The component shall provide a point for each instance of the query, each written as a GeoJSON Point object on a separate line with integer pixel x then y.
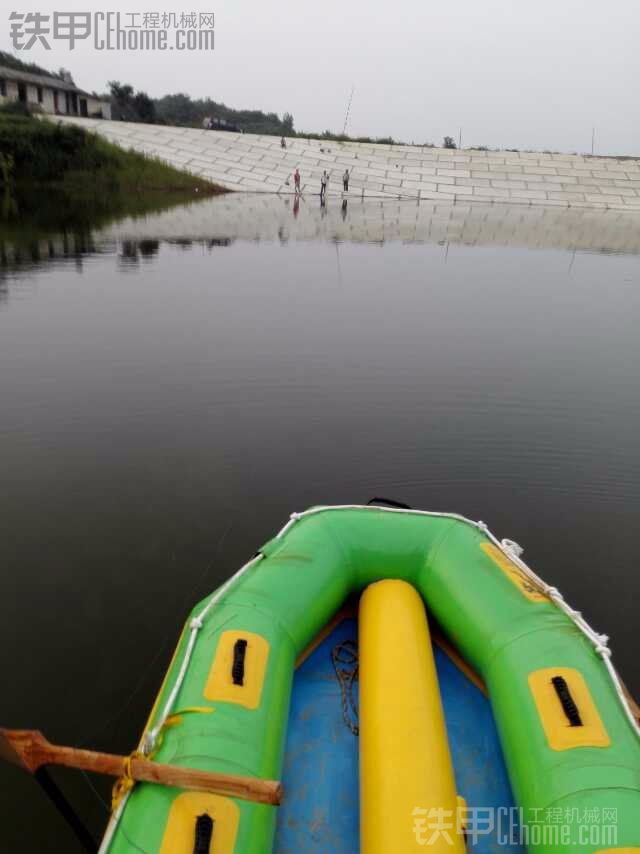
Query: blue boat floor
{"type": "Point", "coordinates": [320, 812]}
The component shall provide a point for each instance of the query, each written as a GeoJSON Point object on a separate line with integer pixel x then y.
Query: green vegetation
{"type": "Point", "coordinates": [344, 137]}
{"type": "Point", "coordinates": [128, 106]}
{"type": "Point", "coordinates": [180, 109]}
{"type": "Point", "coordinates": [10, 61]}
{"type": "Point", "coordinates": [37, 151]}
{"type": "Point", "coordinates": [76, 212]}
{"type": "Point", "coordinates": [6, 169]}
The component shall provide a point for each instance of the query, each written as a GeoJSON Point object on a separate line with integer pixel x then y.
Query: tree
{"type": "Point", "coordinates": [130, 107]}
{"type": "Point", "coordinates": [178, 109]}
{"type": "Point", "coordinates": [144, 107]}
{"type": "Point", "coordinates": [121, 92]}
{"type": "Point", "coordinates": [449, 142]}
{"type": "Point", "coordinates": [287, 121]}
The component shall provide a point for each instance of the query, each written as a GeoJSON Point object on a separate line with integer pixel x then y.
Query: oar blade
{"type": "Point", "coordinates": [19, 746]}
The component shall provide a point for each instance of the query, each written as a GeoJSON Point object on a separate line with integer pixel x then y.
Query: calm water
{"type": "Point", "coordinates": [171, 388]}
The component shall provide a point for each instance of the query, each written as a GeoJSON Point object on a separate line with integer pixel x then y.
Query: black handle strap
{"type": "Point", "coordinates": [568, 703]}
{"type": "Point", "coordinates": [203, 835]}
{"type": "Point", "coordinates": [389, 502]}
{"type": "Point", "coordinates": [239, 654]}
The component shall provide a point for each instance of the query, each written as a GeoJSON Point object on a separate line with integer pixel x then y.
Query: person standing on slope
{"type": "Point", "coordinates": [324, 180]}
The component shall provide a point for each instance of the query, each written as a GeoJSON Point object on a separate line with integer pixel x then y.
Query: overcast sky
{"type": "Point", "coordinates": [511, 73]}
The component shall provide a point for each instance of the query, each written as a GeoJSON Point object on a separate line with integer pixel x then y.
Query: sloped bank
{"type": "Point", "coordinates": [42, 153]}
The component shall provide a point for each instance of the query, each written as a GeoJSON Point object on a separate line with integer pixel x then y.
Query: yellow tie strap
{"type": "Point", "coordinates": [175, 719]}
{"type": "Point", "coordinates": [125, 783]}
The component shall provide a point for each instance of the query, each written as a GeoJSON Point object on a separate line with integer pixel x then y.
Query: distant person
{"type": "Point", "coordinates": [345, 181]}
{"type": "Point", "coordinates": [296, 180]}
{"type": "Point", "coordinates": [324, 180]}
{"type": "Point", "coordinates": [283, 144]}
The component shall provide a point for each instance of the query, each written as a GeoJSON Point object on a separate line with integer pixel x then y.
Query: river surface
{"type": "Point", "coordinates": [173, 386]}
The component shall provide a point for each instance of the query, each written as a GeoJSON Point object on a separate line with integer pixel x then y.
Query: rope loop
{"type": "Point", "coordinates": [344, 657]}
{"type": "Point", "coordinates": [512, 546]}
{"type": "Point", "coordinates": [602, 647]}
{"type": "Point", "coordinates": [124, 784]}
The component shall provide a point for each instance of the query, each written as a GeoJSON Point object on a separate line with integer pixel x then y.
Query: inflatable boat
{"type": "Point", "coordinates": [412, 683]}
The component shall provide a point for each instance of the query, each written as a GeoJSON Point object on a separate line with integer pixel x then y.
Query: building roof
{"type": "Point", "coordinates": [40, 80]}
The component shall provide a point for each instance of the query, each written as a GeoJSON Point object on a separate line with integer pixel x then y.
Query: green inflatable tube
{"type": "Point", "coordinates": [568, 740]}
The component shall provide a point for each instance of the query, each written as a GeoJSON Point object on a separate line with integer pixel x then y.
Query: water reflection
{"type": "Point", "coordinates": [21, 255]}
{"type": "Point", "coordinates": [364, 221]}
{"type": "Point", "coordinates": [132, 252]}
{"type": "Point", "coordinates": [39, 226]}
{"type": "Point", "coordinates": [218, 222]}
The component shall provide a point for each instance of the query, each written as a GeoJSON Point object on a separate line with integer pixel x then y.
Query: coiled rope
{"type": "Point", "coordinates": [344, 657]}
{"type": "Point", "coordinates": [509, 548]}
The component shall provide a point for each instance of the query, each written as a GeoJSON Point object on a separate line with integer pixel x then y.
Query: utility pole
{"type": "Point", "coordinates": [460, 139]}
{"type": "Point", "coordinates": [346, 115]}
{"type": "Point", "coordinates": [593, 140]}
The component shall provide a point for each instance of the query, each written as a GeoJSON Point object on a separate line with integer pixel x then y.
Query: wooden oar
{"type": "Point", "coordinates": [30, 750]}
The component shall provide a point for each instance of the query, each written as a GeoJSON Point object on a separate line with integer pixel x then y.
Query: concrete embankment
{"type": "Point", "coordinates": [252, 163]}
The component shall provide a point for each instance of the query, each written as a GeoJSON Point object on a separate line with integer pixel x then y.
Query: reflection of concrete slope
{"type": "Point", "coordinates": [251, 163]}
{"type": "Point", "coordinates": [266, 218]}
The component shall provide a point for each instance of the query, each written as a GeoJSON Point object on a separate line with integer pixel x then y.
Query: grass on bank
{"type": "Point", "coordinates": [36, 151]}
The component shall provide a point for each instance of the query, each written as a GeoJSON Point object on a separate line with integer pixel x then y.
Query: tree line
{"type": "Point", "coordinates": [181, 109]}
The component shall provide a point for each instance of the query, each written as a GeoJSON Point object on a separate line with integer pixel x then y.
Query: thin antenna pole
{"type": "Point", "coordinates": [346, 115]}
{"type": "Point", "coordinates": [593, 140]}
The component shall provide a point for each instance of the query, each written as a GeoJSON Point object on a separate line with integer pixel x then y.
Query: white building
{"type": "Point", "coordinates": [44, 94]}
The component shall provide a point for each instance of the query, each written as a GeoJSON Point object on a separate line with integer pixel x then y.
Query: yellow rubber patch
{"type": "Point", "coordinates": [219, 685]}
{"type": "Point", "coordinates": [559, 732]}
{"type": "Point", "coordinates": [513, 573]}
{"type": "Point", "coordinates": [180, 830]}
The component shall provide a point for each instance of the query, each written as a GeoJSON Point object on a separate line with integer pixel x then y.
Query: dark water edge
{"type": "Point", "coordinates": [174, 384]}
{"type": "Point", "coordinates": [32, 212]}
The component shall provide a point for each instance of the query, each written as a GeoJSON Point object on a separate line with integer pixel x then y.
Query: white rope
{"type": "Point", "coordinates": [113, 824]}
{"type": "Point", "coordinates": [509, 548]}
{"type": "Point", "coordinates": [150, 737]}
